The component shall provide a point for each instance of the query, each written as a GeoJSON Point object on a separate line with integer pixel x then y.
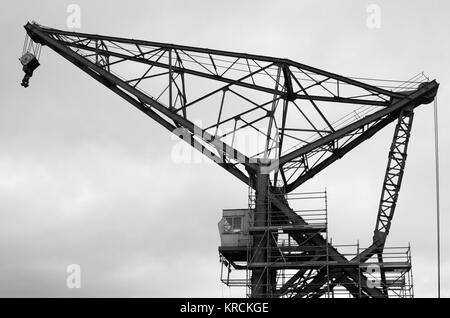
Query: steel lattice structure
{"type": "Point", "coordinates": [299, 120]}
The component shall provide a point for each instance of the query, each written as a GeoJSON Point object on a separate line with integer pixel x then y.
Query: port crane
{"type": "Point", "coordinates": [299, 120]}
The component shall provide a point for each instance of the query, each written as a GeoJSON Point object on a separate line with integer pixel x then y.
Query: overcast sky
{"type": "Point", "coordinates": [86, 179]}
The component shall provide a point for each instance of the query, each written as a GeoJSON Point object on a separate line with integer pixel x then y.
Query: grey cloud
{"type": "Point", "coordinates": [85, 178]}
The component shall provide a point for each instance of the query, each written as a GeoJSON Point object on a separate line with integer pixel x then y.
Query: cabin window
{"type": "Point", "coordinates": [233, 224]}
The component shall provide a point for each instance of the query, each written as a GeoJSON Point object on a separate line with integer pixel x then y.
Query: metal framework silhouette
{"type": "Point", "coordinates": [301, 119]}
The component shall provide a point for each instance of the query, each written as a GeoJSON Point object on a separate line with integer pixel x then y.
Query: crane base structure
{"type": "Point", "coordinates": [274, 124]}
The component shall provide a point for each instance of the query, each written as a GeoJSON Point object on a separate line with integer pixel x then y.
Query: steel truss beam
{"type": "Point", "coordinates": [391, 185]}
{"type": "Point", "coordinates": [394, 176]}
{"type": "Point", "coordinates": [292, 82]}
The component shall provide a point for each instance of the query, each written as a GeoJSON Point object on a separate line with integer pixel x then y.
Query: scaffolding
{"type": "Point", "coordinates": [290, 269]}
